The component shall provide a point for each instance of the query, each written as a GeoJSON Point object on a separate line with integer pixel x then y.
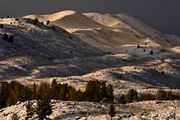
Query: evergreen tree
{"type": "Point", "coordinates": [122, 100]}
{"type": "Point", "coordinates": [72, 94]}
{"type": "Point", "coordinates": [80, 96]}
{"type": "Point", "coordinates": [131, 96]}
{"type": "Point", "coordinates": [54, 90]}
{"type": "Point", "coordinates": [112, 111]}
{"type": "Point", "coordinates": [29, 110]}
{"type": "Point", "coordinates": [109, 91]}
{"type": "Point", "coordinates": [161, 95]}
{"type": "Point", "coordinates": [146, 96]}
{"type": "Point", "coordinates": [93, 92]}
{"type": "Point", "coordinates": [44, 108]}
{"type": "Point", "coordinates": [10, 39]}
{"type": "Point", "coordinates": [15, 93]}
{"type": "Point", "coordinates": [151, 52]}
{"type": "Point", "coordinates": [5, 36]}
{"type": "Point", "coordinates": [1, 26]}
{"type": "Point", "coordinates": [63, 91]}
{"type": "Point", "coordinates": [47, 22]}
{"type": "Point", "coordinates": [34, 91]}
{"type": "Point", "coordinates": [15, 116]}
{"type": "Point", "coordinates": [35, 21]}
{"type": "Point", "coordinates": [43, 90]}
{"type": "Point", "coordinates": [18, 92]}
{"type": "Point", "coordinates": [4, 93]}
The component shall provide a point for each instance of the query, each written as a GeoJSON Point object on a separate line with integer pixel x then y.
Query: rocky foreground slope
{"type": "Point", "coordinates": [150, 110]}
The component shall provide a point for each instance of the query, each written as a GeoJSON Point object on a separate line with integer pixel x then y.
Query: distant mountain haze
{"type": "Point", "coordinates": [160, 14]}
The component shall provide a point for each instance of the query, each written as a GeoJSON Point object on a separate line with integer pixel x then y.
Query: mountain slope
{"type": "Point", "coordinates": [55, 43]}
{"type": "Point", "coordinates": [119, 34]}
{"type": "Point", "coordinates": [126, 21]}
{"type": "Point", "coordinates": [46, 51]}
{"type": "Point", "coordinates": [35, 44]}
{"type": "Point", "coordinates": [107, 20]}
{"type": "Point", "coordinates": [67, 19]}
{"type": "Point", "coordinates": [110, 33]}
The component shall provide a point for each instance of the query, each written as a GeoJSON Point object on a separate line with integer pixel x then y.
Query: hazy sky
{"type": "Point", "coordinates": [163, 15]}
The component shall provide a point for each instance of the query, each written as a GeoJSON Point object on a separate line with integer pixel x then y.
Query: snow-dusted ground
{"type": "Point", "coordinates": [63, 110]}
{"type": "Point", "coordinates": [118, 49]}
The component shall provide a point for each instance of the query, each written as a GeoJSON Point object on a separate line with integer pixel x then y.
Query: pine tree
{"type": "Point", "coordinates": [47, 22]}
{"type": "Point", "coordinates": [44, 108]}
{"type": "Point", "coordinates": [14, 95]}
{"type": "Point", "coordinates": [15, 116]}
{"type": "Point", "coordinates": [43, 90]}
{"type": "Point", "coordinates": [5, 36]}
{"type": "Point", "coordinates": [1, 25]}
{"type": "Point", "coordinates": [161, 95]}
{"type": "Point", "coordinates": [112, 111]}
{"type": "Point", "coordinates": [63, 91]}
{"type": "Point", "coordinates": [93, 91]}
{"type": "Point", "coordinates": [54, 90]}
{"type": "Point", "coordinates": [35, 21]}
{"type": "Point", "coordinates": [110, 94]}
{"type": "Point", "coordinates": [122, 100]}
{"type": "Point", "coordinates": [4, 93]}
{"type": "Point", "coordinates": [29, 110]}
{"type": "Point", "coordinates": [72, 94]}
{"type": "Point", "coordinates": [131, 96]}
{"type": "Point", "coordinates": [34, 92]}
{"type": "Point", "coordinates": [151, 52]}
{"type": "Point", "coordinates": [10, 39]}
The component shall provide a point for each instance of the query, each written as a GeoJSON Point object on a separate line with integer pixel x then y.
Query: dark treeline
{"type": "Point", "coordinates": [134, 96]}
{"type": "Point", "coordinates": [11, 93]}
{"type": "Point", "coordinates": [95, 91]}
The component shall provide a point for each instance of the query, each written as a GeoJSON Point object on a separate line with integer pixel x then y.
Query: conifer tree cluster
{"type": "Point", "coordinates": [133, 96]}
{"type": "Point", "coordinates": [13, 92]}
